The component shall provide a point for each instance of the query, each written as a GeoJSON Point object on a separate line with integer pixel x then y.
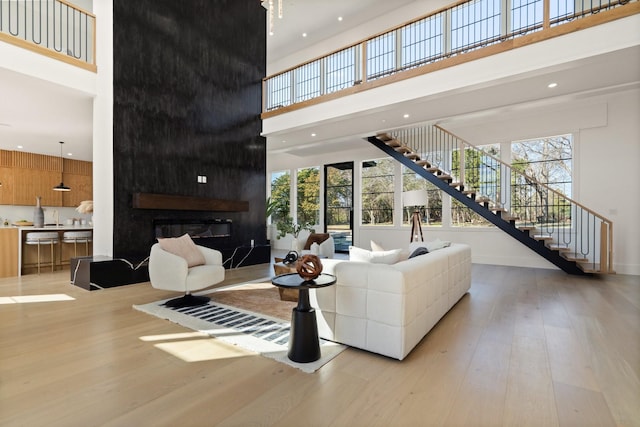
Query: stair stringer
{"type": "Point", "coordinates": [523, 237]}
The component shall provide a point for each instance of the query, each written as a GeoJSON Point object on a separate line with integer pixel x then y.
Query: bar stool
{"type": "Point", "coordinates": [76, 237]}
{"type": "Point", "coordinates": [40, 238]}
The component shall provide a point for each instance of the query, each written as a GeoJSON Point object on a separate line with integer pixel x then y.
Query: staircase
{"type": "Point", "coordinates": [569, 235]}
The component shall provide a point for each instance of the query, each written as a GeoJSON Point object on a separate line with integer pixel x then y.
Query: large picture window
{"type": "Point", "coordinates": [280, 195]}
{"type": "Point", "coordinates": [308, 200]}
{"type": "Point", "coordinates": [546, 161]}
{"type": "Point", "coordinates": [377, 192]}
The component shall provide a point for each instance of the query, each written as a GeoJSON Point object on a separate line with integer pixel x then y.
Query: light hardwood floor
{"type": "Point", "coordinates": [525, 347]}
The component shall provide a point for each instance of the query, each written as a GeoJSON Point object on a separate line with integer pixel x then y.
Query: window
{"type": "Point", "coordinates": [307, 80]}
{"type": "Point", "coordinates": [341, 70]}
{"type": "Point", "coordinates": [422, 41]}
{"type": "Point", "coordinates": [308, 200]}
{"type": "Point", "coordinates": [545, 161]}
{"type": "Point", "coordinates": [432, 213]}
{"type": "Point", "coordinates": [381, 56]}
{"type": "Point", "coordinates": [474, 24]}
{"type": "Point", "coordinates": [280, 195]}
{"type": "Point", "coordinates": [377, 192]}
{"type": "Point", "coordinates": [482, 175]}
{"type": "Point", "coordinates": [279, 91]}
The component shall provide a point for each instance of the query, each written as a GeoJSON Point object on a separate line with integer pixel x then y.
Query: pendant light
{"type": "Point", "coordinates": [61, 186]}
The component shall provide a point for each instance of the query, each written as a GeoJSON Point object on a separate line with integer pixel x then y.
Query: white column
{"type": "Point", "coordinates": [103, 132]}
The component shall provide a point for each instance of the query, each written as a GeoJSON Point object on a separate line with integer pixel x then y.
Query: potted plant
{"type": "Point", "coordinates": [287, 226]}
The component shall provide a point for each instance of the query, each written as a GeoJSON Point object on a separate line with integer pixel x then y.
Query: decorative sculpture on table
{"type": "Point", "coordinates": [309, 267]}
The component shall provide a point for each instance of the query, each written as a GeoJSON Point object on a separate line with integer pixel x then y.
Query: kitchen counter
{"type": "Point", "coordinates": [24, 229]}
{"type": "Point", "coordinates": [52, 227]}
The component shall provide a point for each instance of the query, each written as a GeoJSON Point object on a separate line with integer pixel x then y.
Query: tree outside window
{"type": "Point", "coordinates": [377, 192]}
{"type": "Point", "coordinates": [308, 200]}
{"type": "Point", "coordinates": [548, 161]}
{"type": "Point", "coordinates": [280, 195]}
{"type": "Point", "coordinates": [481, 174]}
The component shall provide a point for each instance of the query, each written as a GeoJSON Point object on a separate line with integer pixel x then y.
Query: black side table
{"type": "Point", "coordinates": [304, 345]}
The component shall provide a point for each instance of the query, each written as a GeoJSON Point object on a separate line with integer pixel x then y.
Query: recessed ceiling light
{"type": "Point", "coordinates": [69, 154]}
{"type": "Point", "coordinates": [339, 18]}
{"type": "Point", "coordinates": [313, 134]}
{"type": "Point", "coordinates": [304, 34]}
{"type": "Point", "coordinates": [20, 147]}
{"type": "Point", "coordinates": [406, 116]}
{"type": "Point", "coordinates": [552, 85]}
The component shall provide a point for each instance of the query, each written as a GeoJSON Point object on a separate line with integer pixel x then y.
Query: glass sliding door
{"type": "Point", "coordinates": [338, 204]}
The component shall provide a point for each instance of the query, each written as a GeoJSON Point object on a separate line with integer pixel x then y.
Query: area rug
{"type": "Point", "coordinates": [261, 333]}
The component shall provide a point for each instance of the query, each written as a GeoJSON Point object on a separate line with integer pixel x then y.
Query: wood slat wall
{"type": "Point", "coordinates": [27, 175]}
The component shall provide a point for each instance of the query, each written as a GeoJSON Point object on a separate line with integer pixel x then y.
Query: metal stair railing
{"type": "Point", "coordinates": [566, 227]}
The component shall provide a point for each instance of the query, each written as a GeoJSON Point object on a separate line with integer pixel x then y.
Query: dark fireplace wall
{"type": "Point", "coordinates": [187, 103]}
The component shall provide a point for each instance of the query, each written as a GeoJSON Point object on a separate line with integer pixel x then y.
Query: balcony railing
{"type": "Point", "coordinates": [456, 30]}
{"type": "Point", "coordinates": [55, 28]}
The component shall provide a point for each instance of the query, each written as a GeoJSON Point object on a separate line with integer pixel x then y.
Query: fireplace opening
{"type": "Point", "coordinates": [196, 228]}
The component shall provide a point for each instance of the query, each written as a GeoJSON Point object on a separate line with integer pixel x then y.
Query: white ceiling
{"type": "Point", "coordinates": [37, 115]}
{"type": "Point", "coordinates": [318, 19]}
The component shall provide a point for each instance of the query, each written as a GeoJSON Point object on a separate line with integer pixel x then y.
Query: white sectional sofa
{"type": "Point", "coordinates": [388, 309]}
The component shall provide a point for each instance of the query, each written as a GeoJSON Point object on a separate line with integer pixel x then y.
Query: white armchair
{"type": "Point", "coordinates": [321, 244]}
{"type": "Point", "coordinates": [171, 272]}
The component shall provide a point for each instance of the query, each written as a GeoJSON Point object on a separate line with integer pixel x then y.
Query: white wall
{"type": "Point", "coordinates": [103, 133]}
{"type": "Point", "coordinates": [607, 152]}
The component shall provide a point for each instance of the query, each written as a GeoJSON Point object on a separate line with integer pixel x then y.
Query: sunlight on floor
{"type": "Point", "coordinates": [21, 299]}
{"type": "Point", "coordinates": [199, 349]}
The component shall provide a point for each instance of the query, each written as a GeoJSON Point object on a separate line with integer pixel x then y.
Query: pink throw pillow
{"type": "Point", "coordinates": [184, 247]}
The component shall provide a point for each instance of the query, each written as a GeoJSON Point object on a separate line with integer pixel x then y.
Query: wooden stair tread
{"type": "Point", "coordinates": [572, 256]}
{"type": "Point", "coordinates": [403, 149]}
{"type": "Point", "coordinates": [559, 247]}
{"type": "Point", "coordinates": [433, 169]}
{"type": "Point", "coordinates": [525, 227]}
{"type": "Point", "coordinates": [412, 156]}
{"type": "Point", "coordinates": [393, 143]}
{"type": "Point", "coordinates": [423, 163]}
{"type": "Point", "coordinates": [589, 267]}
{"type": "Point", "coordinates": [541, 237]}
{"type": "Point", "coordinates": [444, 177]}
{"type": "Point", "coordinates": [455, 184]}
{"type": "Point", "coordinates": [384, 136]}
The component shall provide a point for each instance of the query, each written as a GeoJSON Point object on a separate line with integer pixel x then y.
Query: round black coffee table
{"type": "Point", "coordinates": [304, 345]}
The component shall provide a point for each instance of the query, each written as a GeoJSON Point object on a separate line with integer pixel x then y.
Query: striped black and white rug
{"type": "Point", "coordinates": [255, 332]}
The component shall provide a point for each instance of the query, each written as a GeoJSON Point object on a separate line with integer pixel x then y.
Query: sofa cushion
{"type": "Point", "coordinates": [431, 246]}
{"type": "Point", "coordinates": [375, 257]}
{"type": "Point", "coordinates": [184, 247]}
{"type": "Point", "coordinates": [420, 250]}
{"type": "Point", "coordinates": [376, 247]}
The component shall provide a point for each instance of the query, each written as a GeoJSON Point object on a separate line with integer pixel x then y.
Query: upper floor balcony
{"type": "Point", "coordinates": [55, 28]}
{"type": "Point", "coordinates": [463, 32]}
